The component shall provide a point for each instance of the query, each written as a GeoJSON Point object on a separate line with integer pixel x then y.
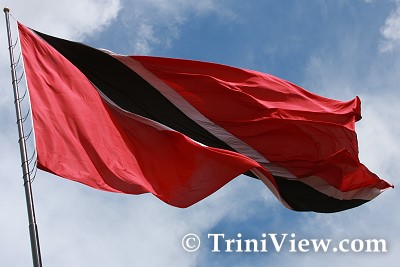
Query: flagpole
{"type": "Point", "coordinates": [33, 229]}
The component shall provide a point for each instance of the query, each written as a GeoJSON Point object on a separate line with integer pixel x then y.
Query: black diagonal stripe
{"type": "Point", "coordinates": [302, 197]}
{"type": "Point", "coordinates": [129, 90]}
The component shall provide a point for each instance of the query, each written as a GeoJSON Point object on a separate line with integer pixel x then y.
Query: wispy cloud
{"type": "Point", "coordinates": [73, 19]}
{"type": "Point", "coordinates": [390, 31]}
{"type": "Point", "coordinates": [158, 22]}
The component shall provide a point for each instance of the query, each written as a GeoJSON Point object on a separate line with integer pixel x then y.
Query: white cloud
{"type": "Point", "coordinates": [68, 19]}
{"type": "Point", "coordinates": [390, 31]}
{"type": "Point", "coordinates": [379, 132]}
{"type": "Point", "coordinates": [158, 22]}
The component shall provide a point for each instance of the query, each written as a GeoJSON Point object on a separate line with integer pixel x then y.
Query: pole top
{"type": "Point", "coordinates": [6, 10]}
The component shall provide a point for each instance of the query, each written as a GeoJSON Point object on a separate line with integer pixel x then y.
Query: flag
{"type": "Point", "coordinates": [182, 129]}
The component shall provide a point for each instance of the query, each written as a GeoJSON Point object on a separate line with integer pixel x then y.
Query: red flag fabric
{"type": "Point", "coordinates": [181, 129]}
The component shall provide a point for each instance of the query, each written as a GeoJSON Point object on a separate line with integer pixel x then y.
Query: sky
{"type": "Point", "coordinates": [338, 49]}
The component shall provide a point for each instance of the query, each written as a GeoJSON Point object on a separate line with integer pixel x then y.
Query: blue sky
{"type": "Point", "coordinates": [338, 49]}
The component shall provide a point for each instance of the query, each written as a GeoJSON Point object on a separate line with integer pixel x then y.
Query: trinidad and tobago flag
{"type": "Point", "coordinates": [182, 129]}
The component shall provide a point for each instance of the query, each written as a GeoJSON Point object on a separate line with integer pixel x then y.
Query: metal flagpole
{"type": "Point", "coordinates": [33, 230]}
